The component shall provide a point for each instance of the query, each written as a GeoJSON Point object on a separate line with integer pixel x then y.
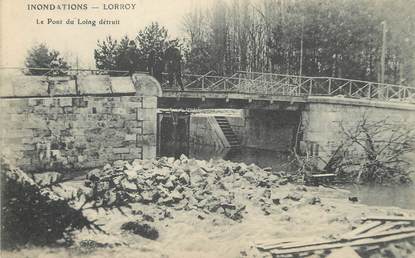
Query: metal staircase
{"type": "Point", "coordinates": [228, 132]}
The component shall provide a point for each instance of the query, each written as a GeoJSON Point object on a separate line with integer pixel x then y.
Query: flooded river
{"type": "Point", "coordinates": [399, 196]}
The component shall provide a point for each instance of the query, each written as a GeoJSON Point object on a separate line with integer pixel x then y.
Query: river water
{"type": "Point", "coordinates": [402, 196]}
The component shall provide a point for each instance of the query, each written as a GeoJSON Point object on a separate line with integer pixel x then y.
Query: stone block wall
{"type": "Point", "coordinates": [322, 131]}
{"type": "Point", "coordinates": [201, 131]}
{"type": "Point", "coordinates": [77, 122]}
{"type": "Point", "coordinates": [77, 132]}
{"type": "Point", "coordinates": [270, 129]}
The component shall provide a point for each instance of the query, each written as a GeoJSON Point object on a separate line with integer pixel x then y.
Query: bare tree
{"type": "Point", "coordinates": [373, 152]}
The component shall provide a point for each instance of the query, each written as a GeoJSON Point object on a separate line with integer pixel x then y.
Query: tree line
{"type": "Point", "coordinates": [342, 38]}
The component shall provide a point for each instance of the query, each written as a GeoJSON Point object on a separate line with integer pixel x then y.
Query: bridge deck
{"type": "Point", "coordinates": [250, 86]}
{"type": "Point", "coordinates": [269, 86]}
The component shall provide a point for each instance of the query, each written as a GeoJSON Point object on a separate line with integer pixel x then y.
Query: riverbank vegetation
{"type": "Point", "coordinates": [374, 152]}
{"type": "Point", "coordinates": [367, 152]}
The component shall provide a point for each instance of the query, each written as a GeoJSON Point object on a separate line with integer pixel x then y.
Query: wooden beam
{"type": "Point", "coordinates": [361, 229]}
{"type": "Point", "coordinates": [390, 218]}
{"type": "Point", "coordinates": [359, 242]}
{"type": "Point", "coordinates": [389, 225]}
{"type": "Point", "coordinates": [292, 245]}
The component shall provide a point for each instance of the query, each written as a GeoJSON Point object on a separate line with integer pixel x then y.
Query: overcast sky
{"type": "Point", "coordinates": [19, 31]}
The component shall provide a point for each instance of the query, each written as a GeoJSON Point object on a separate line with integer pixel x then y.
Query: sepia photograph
{"type": "Point", "coordinates": [207, 128]}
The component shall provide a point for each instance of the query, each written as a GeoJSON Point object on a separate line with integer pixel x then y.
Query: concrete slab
{"type": "Point", "coordinates": [122, 85]}
{"type": "Point", "coordinates": [94, 84]}
{"type": "Point", "coordinates": [62, 86]}
{"type": "Point", "coordinates": [25, 86]}
{"type": "Point", "coordinates": [6, 88]}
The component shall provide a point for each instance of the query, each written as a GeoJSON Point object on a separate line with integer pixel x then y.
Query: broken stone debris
{"type": "Point", "coordinates": [187, 184]}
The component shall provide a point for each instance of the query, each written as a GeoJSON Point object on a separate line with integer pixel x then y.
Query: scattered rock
{"type": "Point", "coordinates": [148, 218]}
{"type": "Point", "coordinates": [250, 177]}
{"type": "Point", "coordinates": [141, 229]}
{"type": "Point", "coordinates": [47, 178]}
{"type": "Point", "coordinates": [353, 199]}
{"type": "Point", "coordinates": [128, 185]}
{"type": "Point", "coordinates": [92, 244]}
{"type": "Point", "coordinates": [183, 158]}
{"type": "Point", "coordinates": [119, 165]}
{"type": "Point", "coordinates": [94, 175]}
{"type": "Point", "coordinates": [301, 188]}
{"type": "Point", "coordinates": [176, 196]}
{"type": "Point", "coordinates": [314, 200]}
{"type": "Point", "coordinates": [294, 196]}
{"type": "Point", "coordinates": [276, 201]}
{"type": "Point", "coordinates": [184, 178]}
{"type": "Point", "coordinates": [283, 181]}
{"type": "Point", "coordinates": [149, 196]}
{"type": "Point", "coordinates": [200, 217]}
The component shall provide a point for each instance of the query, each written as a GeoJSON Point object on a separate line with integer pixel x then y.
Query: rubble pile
{"type": "Point", "coordinates": [185, 184]}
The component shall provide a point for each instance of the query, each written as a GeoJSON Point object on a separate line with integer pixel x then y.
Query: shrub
{"type": "Point", "coordinates": [34, 215]}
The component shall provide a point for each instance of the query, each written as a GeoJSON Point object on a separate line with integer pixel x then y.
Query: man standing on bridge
{"type": "Point", "coordinates": [155, 65]}
{"type": "Point", "coordinates": [173, 58]}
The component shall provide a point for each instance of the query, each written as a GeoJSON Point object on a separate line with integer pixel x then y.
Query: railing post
{"type": "Point", "coordinates": [387, 93]}
{"type": "Point", "coordinates": [370, 91]}
{"type": "Point", "coordinates": [203, 83]}
{"type": "Point", "coordinates": [266, 88]}
{"type": "Point", "coordinates": [311, 87]}
{"type": "Point", "coordinates": [329, 93]}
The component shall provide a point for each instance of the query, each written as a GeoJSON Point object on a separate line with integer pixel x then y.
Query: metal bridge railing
{"type": "Point", "coordinates": [329, 86]}
{"type": "Point", "coordinates": [255, 83]}
{"type": "Point", "coordinates": [292, 85]}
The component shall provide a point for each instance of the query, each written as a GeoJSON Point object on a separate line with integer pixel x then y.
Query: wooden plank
{"type": "Point", "coordinates": [389, 225]}
{"type": "Point", "coordinates": [359, 242]}
{"type": "Point", "coordinates": [361, 229]}
{"type": "Point", "coordinates": [302, 243]}
{"type": "Point", "coordinates": [358, 237]}
{"type": "Point", "coordinates": [275, 242]}
{"type": "Point", "coordinates": [270, 243]}
{"type": "Point", "coordinates": [390, 218]}
{"type": "Point", "coordinates": [386, 233]}
{"type": "Point", "coordinates": [323, 175]}
{"type": "Point", "coordinates": [287, 241]}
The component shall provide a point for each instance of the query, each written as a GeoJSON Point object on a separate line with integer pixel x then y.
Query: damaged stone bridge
{"type": "Point", "coordinates": [87, 120]}
{"type": "Point", "coordinates": [281, 110]}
